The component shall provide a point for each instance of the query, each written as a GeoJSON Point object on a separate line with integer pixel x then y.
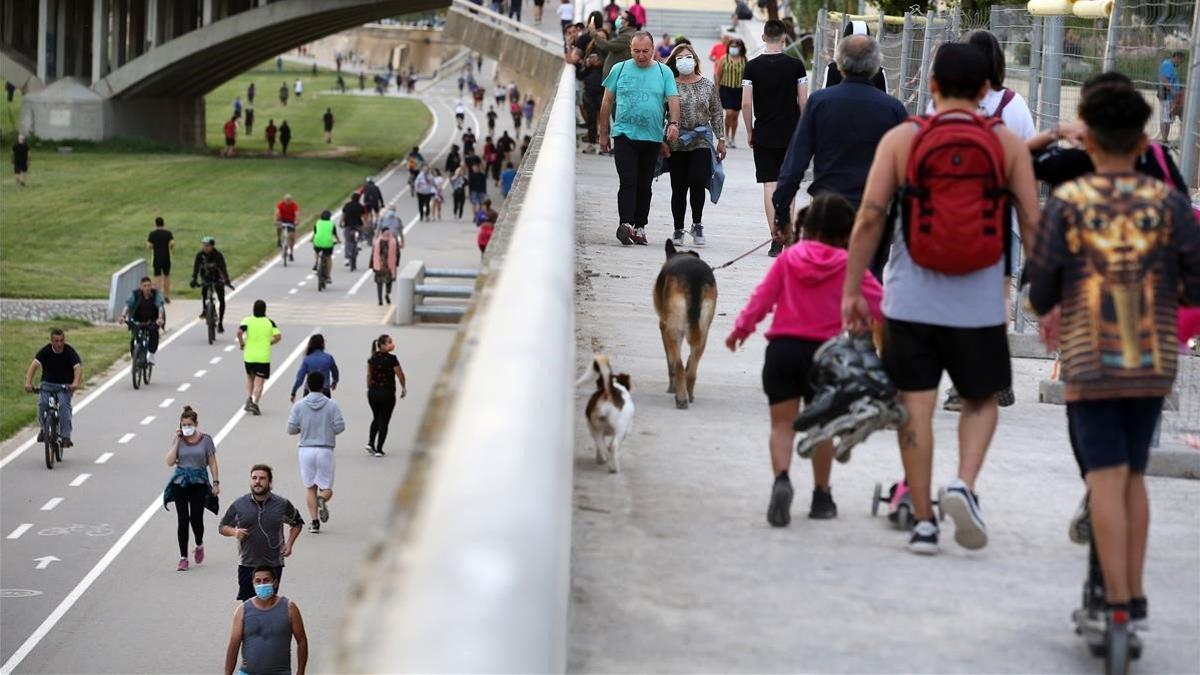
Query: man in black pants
{"type": "Point", "coordinates": [637, 92]}
{"type": "Point", "coordinates": [209, 265]}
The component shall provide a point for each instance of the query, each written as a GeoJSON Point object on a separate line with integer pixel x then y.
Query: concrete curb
{"type": "Point", "coordinates": [1174, 462]}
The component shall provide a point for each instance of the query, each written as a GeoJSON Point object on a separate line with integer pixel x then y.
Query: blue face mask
{"type": "Point", "coordinates": [619, 22]}
{"type": "Point", "coordinates": [264, 591]}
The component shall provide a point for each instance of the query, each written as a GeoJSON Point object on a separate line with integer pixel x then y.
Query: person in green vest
{"type": "Point", "coordinates": [324, 237]}
{"type": "Point", "coordinates": [255, 336]}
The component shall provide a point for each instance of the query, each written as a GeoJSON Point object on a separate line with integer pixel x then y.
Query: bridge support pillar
{"type": "Point", "coordinates": [99, 39]}
{"type": "Point", "coordinates": [43, 28]}
{"type": "Point", "coordinates": [70, 110]}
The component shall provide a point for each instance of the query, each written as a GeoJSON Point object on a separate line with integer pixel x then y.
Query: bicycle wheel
{"type": "Point", "coordinates": [210, 318]}
{"type": "Point", "coordinates": [58, 451]}
{"type": "Point", "coordinates": [146, 374]}
{"type": "Point", "coordinates": [50, 435]}
{"type": "Point", "coordinates": [136, 370]}
{"type": "Point", "coordinates": [283, 250]}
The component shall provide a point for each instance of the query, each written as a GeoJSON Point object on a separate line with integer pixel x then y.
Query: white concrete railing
{"type": "Point", "coordinates": [481, 580]}
{"type": "Point", "coordinates": [515, 28]}
{"type": "Point", "coordinates": [124, 282]}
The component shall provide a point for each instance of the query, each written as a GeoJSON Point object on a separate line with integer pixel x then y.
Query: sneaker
{"type": "Point", "coordinates": [625, 234]}
{"type": "Point", "coordinates": [370, 449]}
{"type": "Point", "coordinates": [379, 453]}
{"type": "Point", "coordinates": [220, 328]}
{"type": "Point", "coordinates": [677, 237]}
{"type": "Point", "coordinates": [1139, 613]}
{"type": "Point", "coordinates": [953, 401]}
{"type": "Point", "coordinates": [924, 539]}
{"type": "Point", "coordinates": [698, 234]}
{"type": "Point", "coordinates": [314, 267]}
{"type": "Point", "coordinates": [249, 405]}
{"type": "Point", "coordinates": [315, 527]}
{"type": "Point", "coordinates": [66, 443]}
{"type": "Point", "coordinates": [1006, 397]}
{"type": "Point", "coordinates": [962, 506]}
{"type": "Point", "coordinates": [254, 409]}
{"type": "Point", "coordinates": [639, 236]}
{"type": "Point", "coordinates": [1080, 529]}
{"type": "Point", "coordinates": [775, 250]}
{"type": "Point", "coordinates": [198, 553]}
{"type": "Point", "coordinates": [182, 566]}
{"type": "Point", "coordinates": [322, 509]}
{"type": "Point", "coordinates": [779, 513]}
{"type": "Point", "coordinates": [822, 507]}
{"type": "Point", "coordinates": [150, 358]}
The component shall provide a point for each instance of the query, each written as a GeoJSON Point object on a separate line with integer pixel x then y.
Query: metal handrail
{"type": "Point", "coordinates": [520, 30]}
{"type": "Point", "coordinates": [478, 579]}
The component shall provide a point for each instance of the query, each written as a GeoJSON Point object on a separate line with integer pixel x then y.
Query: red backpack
{"type": "Point", "coordinates": [955, 200]}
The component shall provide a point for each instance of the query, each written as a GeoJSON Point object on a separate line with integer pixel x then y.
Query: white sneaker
{"type": "Point", "coordinates": [150, 358]}
{"type": "Point", "coordinates": [958, 502]}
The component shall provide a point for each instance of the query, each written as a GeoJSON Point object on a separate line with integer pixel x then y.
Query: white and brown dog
{"type": "Point", "coordinates": [609, 411]}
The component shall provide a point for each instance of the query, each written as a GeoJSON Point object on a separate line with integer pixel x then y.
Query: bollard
{"type": "Point", "coordinates": [406, 292]}
{"type": "Point", "coordinates": [1052, 58]}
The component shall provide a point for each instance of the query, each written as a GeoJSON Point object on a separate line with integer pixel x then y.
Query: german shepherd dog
{"type": "Point", "coordinates": [685, 299]}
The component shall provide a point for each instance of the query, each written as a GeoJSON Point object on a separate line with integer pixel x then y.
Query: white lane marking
{"type": "Point", "coordinates": [292, 292]}
{"type": "Point", "coordinates": [48, 506]}
{"type": "Point", "coordinates": [302, 283]}
{"type": "Point", "coordinates": [309, 277]}
{"type": "Point", "coordinates": [21, 529]}
{"type": "Point", "coordinates": [358, 284]}
{"type": "Point", "coordinates": [185, 386]}
{"type": "Point", "coordinates": [199, 373]}
{"type": "Point", "coordinates": [147, 420]}
{"type": "Point", "coordinates": [104, 458]}
{"type": "Point", "coordinates": [412, 223]}
{"type": "Point", "coordinates": [166, 403]}
{"type": "Point", "coordinates": [214, 360]}
{"type": "Point", "coordinates": [228, 348]}
{"type": "Point", "coordinates": [155, 504]}
{"type": "Point", "coordinates": [387, 318]}
{"type": "Point", "coordinates": [126, 438]}
{"type": "Point", "coordinates": [44, 561]}
{"type": "Point", "coordinates": [79, 480]}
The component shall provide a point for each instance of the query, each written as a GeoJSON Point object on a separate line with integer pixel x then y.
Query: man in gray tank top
{"type": "Point", "coordinates": [263, 628]}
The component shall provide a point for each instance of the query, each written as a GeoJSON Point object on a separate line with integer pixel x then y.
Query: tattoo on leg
{"type": "Point", "coordinates": [908, 439]}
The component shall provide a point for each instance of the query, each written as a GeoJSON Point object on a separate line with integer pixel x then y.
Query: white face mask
{"type": "Point", "coordinates": [188, 430]}
{"type": "Point", "coordinates": [734, 51]}
{"type": "Point", "coordinates": [685, 66]}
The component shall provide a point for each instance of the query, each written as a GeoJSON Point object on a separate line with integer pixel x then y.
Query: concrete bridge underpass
{"type": "Point", "coordinates": [93, 69]}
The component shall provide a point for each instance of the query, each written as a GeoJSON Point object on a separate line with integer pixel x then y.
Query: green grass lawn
{"type": "Point", "coordinates": [370, 129]}
{"type": "Point", "coordinates": [98, 346]}
{"type": "Point", "coordinates": [87, 214]}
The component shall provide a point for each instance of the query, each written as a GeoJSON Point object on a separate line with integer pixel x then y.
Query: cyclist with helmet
{"type": "Point", "coordinates": [209, 267]}
{"type": "Point", "coordinates": [372, 197]}
{"type": "Point", "coordinates": [324, 237]}
{"type": "Point", "coordinates": [287, 214]}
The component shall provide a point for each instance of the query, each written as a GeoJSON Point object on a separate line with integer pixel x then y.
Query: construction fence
{"type": "Point", "coordinates": [1048, 58]}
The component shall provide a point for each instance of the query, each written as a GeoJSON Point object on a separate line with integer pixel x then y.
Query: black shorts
{"type": "Point", "coordinates": [262, 370]}
{"type": "Point", "coordinates": [20, 167]}
{"type": "Point", "coordinates": [731, 98]}
{"type": "Point", "coordinates": [1113, 432]}
{"type": "Point", "coordinates": [229, 142]}
{"type": "Point", "coordinates": [162, 268]}
{"type": "Point", "coordinates": [246, 581]}
{"type": "Point", "coordinates": [786, 368]}
{"type": "Point", "coordinates": [915, 354]}
{"type": "Point", "coordinates": [767, 162]}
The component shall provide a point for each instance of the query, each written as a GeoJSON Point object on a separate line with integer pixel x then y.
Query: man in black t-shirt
{"type": "Point", "coordinates": [161, 243]}
{"type": "Point", "coordinates": [62, 372]}
{"type": "Point", "coordinates": [352, 221]}
{"type": "Point", "coordinates": [774, 91]}
{"type": "Point", "coordinates": [145, 306]}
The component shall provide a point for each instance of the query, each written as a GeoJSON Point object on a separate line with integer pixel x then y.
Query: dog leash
{"type": "Point", "coordinates": [744, 254]}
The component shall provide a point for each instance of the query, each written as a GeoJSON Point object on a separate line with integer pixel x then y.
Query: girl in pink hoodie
{"type": "Point", "coordinates": [804, 289]}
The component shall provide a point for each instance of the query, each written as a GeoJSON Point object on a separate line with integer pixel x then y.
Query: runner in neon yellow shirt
{"type": "Point", "coordinates": [255, 336]}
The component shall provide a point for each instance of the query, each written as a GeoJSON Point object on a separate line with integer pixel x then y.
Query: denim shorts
{"type": "Point", "coordinates": [1114, 432]}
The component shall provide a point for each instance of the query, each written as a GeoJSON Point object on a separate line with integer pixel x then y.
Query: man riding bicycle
{"type": "Point", "coordinates": [324, 237]}
{"type": "Point", "coordinates": [209, 267]}
{"type": "Point", "coordinates": [352, 221]}
{"type": "Point", "coordinates": [144, 308]}
{"type": "Point", "coordinates": [372, 200]}
{"type": "Point", "coordinates": [287, 214]}
{"type": "Point", "coordinates": [62, 372]}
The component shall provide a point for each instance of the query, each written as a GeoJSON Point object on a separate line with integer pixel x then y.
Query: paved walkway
{"type": "Point", "coordinates": [676, 570]}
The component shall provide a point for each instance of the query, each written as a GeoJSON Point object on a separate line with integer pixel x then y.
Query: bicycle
{"type": "Point", "coordinates": [323, 269]}
{"type": "Point", "coordinates": [139, 352]}
{"type": "Point", "coordinates": [286, 235]}
{"type": "Point", "coordinates": [51, 440]}
{"type": "Point", "coordinates": [209, 294]}
{"type": "Point", "coordinates": [352, 247]}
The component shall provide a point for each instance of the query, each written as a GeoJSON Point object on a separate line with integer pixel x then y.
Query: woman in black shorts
{"type": "Point", "coordinates": [728, 74]}
{"type": "Point", "coordinates": [803, 289]}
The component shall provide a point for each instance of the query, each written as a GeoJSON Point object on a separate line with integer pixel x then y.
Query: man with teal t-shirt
{"type": "Point", "coordinates": [637, 88]}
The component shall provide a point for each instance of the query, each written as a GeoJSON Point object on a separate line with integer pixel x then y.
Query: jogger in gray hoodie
{"type": "Point", "coordinates": [318, 420]}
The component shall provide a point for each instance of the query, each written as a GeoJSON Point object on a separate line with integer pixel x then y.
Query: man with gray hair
{"type": "Point", "coordinates": [838, 133]}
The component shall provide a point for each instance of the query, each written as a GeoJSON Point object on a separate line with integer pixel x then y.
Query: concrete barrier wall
{"type": "Point", "coordinates": [473, 574]}
{"type": "Point", "coordinates": [533, 58]}
{"type": "Point", "coordinates": [124, 282]}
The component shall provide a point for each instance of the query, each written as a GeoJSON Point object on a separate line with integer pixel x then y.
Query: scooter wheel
{"type": "Point", "coordinates": [878, 497]}
{"type": "Point", "coordinates": [1117, 653]}
{"type": "Point", "coordinates": [904, 517]}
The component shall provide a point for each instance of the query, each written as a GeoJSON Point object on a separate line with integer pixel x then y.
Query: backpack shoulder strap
{"type": "Point", "coordinates": [1005, 99]}
{"type": "Point", "coordinates": [1160, 158]}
